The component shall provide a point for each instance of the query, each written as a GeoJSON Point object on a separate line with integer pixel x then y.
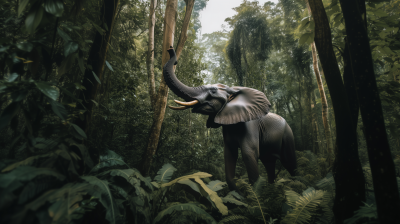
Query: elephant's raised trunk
{"type": "Point", "coordinates": [180, 89]}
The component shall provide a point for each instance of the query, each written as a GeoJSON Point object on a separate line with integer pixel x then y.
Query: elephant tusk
{"type": "Point", "coordinates": [191, 103]}
{"type": "Point", "coordinates": [178, 108]}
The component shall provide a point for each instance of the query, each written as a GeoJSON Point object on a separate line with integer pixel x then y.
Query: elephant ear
{"type": "Point", "coordinates": [248, 104]}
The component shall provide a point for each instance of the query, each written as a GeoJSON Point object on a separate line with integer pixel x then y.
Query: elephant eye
{"type": "Point", "coordinates": [213, 90]}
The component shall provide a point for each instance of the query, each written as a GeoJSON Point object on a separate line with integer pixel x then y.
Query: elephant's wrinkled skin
{"type": "Point", "coordinates": [246, 124]}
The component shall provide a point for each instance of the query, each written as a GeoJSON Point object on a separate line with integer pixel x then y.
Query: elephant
{"type": "Point", "coordinates": [246, 123]}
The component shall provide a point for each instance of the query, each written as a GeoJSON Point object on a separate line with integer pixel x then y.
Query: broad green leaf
{"type": "Point", "coordinates": [54, 7]}
{"type": "Point", "coordinates": [34, 18]}
{"type": "Point", "coordinates": [165, 173]}
{"type": "Point", "coordinates": [58, 109]}
{"type": "Point", "coordinates": [109, 66]}
{"type": "Point", "coordinates": [191, 184]}
{"type": "Point", "coordinates": [25, 46]}
{"type": "Point", "coordinates": [185, 207]}
{"type": "Point", "coordinates": [109, 159]}
{"type": "Point", "coordinates": [64, 153]}
{"type": "Point", "coordinates": [98, 28]}
{"type": "Point", "coordinates": [216, 185]}
{"type": "Point", "coordinates": [213, 196]}
{"type": "Point", "coordinates": [310, 38]}
{"type": "Point", "coordinates": [79, 130]}
{"type": "Point", "coordinates": [80, 63]}
{"type": "Point", "coordinates": [8, 113]}
{"type": "Point", "coordinates": [383, 34]}
{"type": "Point", "coordinates": [66, 64]}
{"type": "Point", "coordinates": [19, 95]}
{"type": "Point", "coordinates": [380, 13]}
{"type": "Point", "coordinates": [63, 35]}
{"type": "Point", "coordinates": [18, 178]}
{"type": "Point", "coordinates": [230, 199]}
{"type": "Point", "coordinates": [47, 90]}
{"type": "Point", "coordinates": [112, 211]}
{"type": "Point", "coordinates": [70, 48]}
{"type": "Point", "coordinates": [387, 50]}
{"type": "Point", "coordinates": [191, 176]}
{"type": "Point", "coordinates": [12, 77]}
{"type": "Point", "coordinates": [304, 37]}
{"type": "Point", "coordinates": [97, 78]}
{"type": "Point", "coordinates": [97, 104]}
{"type": "Point", "coordinates": [22, 5]}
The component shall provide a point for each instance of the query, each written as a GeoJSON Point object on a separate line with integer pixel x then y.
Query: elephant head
{"type": "Point", "coordinates": [224, 105]}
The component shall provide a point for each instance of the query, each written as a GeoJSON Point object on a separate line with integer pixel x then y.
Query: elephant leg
{"type": "Point", "coordinates": [230, 156]}
{"type": "Point", "coordinates": [269, 164]}
{"type": "Point", "coordinates": [250, 159]}
{"type": "Point", "coordinates": [288, 154]}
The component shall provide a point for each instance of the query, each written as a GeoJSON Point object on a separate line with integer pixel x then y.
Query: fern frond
{"type": "Point", "coordinates": [326, 205]}
{"type": "Point", "coordinates": [259, 186]}
{"type": "Point", "coordinates": [305, 207]}
{"type": "Point", "coordinates": [252, 194]}
{"type": "Point", "coordinates": [327, 183]}
{"type": "Point", "coordinates": [365, 213]}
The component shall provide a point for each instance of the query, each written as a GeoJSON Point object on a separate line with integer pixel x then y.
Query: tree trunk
{"type": "Point", "coordinates": [324, 103]}
{"type": "Point", "coordinates": [97, 58]}
{"type": "Point", "coordinates": [161, 100]}
{"type": "Point", "coordinates": [381, 161]}
{"type": "Point", "coordinates": [150, 53]}
{"type": "Point", "coordinates": [348, 175]}
{"type": "Point", "coordinates": [316, 147]}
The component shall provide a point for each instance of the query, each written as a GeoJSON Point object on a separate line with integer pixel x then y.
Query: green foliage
{"type": "Point", "coordinates": [198, 213]}
{"type": "Point", "coordinates": [366, 214]}
{"type": "Point", "coordinates": [304, 207]}
{"type": "Point", "coordinates": [165, 173]}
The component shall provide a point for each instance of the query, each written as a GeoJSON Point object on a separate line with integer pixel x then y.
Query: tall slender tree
{"type": "Point", "coordinates": [348, 175]}
{"type": "Point", "coordinates": [162, 95]}
{"type": "Point", "coordinates": [96, 60]}
{"type": "Point", "coordinates": [150, 53]}
{"type": "Point", "coordinates": [324, 102]}
{"type": "Point", "coordinates": [381, 161]}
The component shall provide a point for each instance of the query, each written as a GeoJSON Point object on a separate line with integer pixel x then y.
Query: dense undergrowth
{"type": "Point", "coordinates": [65, 186]}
